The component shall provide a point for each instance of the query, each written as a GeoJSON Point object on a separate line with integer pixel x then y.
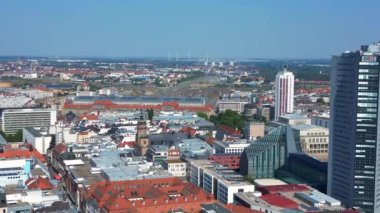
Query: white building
{"type": "Point", "coordinates": [284, 96]}
{"type": "Point", "coordinates": [14, 170]}
{"type": "Point", "coordinates": [36, 139]}
{"type": "Point", "coordinates": [175, 167]}
{"type": "Point", "coordinates": [17, 119]}
{"type": "Point", "coordinates": [37, 196]}
{"type": "Point", "coordinates": [218, 180]}
{"type": "Point", "coordinates": [230, 147]}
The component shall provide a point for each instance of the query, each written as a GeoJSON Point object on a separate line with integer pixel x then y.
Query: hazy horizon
{"type": "Point", "coordinates": [272, 29]}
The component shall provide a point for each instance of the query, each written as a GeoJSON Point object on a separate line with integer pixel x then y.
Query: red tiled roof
{"type": "Point", "coordinates": [39, 183]}
{"type": "Point", "coordinates": [130, 144]}
{"type": "Point", "coordinates": [279, 200]}
{"type": "Point", "coordinates": [229, 130]}
{"type": "Point", "coordinates": [110, 105]}
{"type": "Point", "coordinates": [189, 130]}
{"type": "Point", "coordinates": [60, 148]}
{"type": "Point", "coordinates": [150, 194]}
{"type": "Point", "coordinates": [89, 117]}
{"type": "Point", "coordinates": [22, 153]}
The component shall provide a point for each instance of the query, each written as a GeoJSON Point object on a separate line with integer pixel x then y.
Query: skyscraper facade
{"type": "Point", "coordinates": [284, 97]}
{"type": "Point", "coordinates": [354, 176]}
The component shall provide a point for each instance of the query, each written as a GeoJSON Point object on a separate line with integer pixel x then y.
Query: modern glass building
{"type": "Point", "coordinates": [265, 155]}
{"type": "Point", "coordinates": [354, 176]}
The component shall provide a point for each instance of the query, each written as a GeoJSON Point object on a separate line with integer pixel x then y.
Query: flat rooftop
{"type": "Point", "coordinates": [293, 116]}
{"type": "Point", "coordinates": [227, 176]}
{"type": "Point", "coordinates": [307, 127]}
{"type": "Point", "coordinates": [269, 182]}
{"type": "Point", "coordinates": [28, 110]}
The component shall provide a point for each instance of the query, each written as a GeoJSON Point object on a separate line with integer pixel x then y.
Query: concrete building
{"type": "Point", "coordinates": [16, 165]}
{"type": "Point", "coordinates": [157, 153]}
{"type": "Point", "coordinates": [218, 180]}
{"type": "Point", "coordinates": [231, 147]}
{"type": "Point", "coordinates": [354, 170]}
{"type": "Point", "coordinates": [293, 119]}
{"type": "Point", "coordinates": [289, 198]}
{"type": "Point", "coordinates": [284, 86]}
{"type": "Point", "coordinates": [17, 119]}
{"type": "Point", "coordinates": [36, 139]}
{"type": "Point", "coordinates": [175, 167]}
{"type": "Point", "coordinates": [266, 111]}
{"type": "Point", "coordinates": [314, 140]}
{"type": "Point", "coordinates": [234, 104]}
{"type": "Point", "coordinates": [235, 101]}
{"type": "Point", "coordinates": [253, 130]}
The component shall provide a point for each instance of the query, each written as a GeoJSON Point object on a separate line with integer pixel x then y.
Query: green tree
{"type": "Point", "coordinates": [229, 118]}
{"type": "Point", "coordinates": [321, 101]}
{"type": "Point", "coordinates": [150, 114]}
{"type": "Point", "coordinates": [202, 115]}
{"type": "Point", "coordinates": [18, 136]}
{"type": "Point", "coordinates": [12, 138]}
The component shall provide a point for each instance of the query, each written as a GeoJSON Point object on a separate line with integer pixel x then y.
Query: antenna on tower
{"type": "Point", "coordinates": [207, 57]}
{"type": "Point", "coordinates": [188, 56]}
{"type": "Point", "coordinates": [169, 57]}
{"type": "Point", "coordinates": [176, 56]}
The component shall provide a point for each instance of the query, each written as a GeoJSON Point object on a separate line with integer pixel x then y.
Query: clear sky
{"type": "Point", "coordinates": [139, 28]}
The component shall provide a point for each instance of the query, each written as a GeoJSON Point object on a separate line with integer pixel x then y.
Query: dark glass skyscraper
{"type": "Point", "coordinates": [354, 174]}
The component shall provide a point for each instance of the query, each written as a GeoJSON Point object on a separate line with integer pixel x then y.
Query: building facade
{"type": "Point", "coordinates": [284, 86]}
{"type": "Point", "coordinates": [314, 140]}
{"type": "Point", "coordinates": [17, 119]}
{"type": "Point", "coordinates": [354, 174]}
{"type": "Point", "coordinates": [222, 182]}
{"type": "Point", "coordinates": [265, 155]}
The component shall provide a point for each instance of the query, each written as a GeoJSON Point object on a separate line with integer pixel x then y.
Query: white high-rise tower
{"type": "Point", "coordinates": [284, 93]}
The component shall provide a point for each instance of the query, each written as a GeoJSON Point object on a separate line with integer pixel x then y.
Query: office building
{"type": "Point", "coordinates": [39, 141]}
{"type": "Point", "coordinates": [17, 119]}
{"type": "Point", "coordinates": [265, 155]}
{"type": "Point", "coordinates": [235, 101]}
{"type": "Point", "coordinates": [354, 171]}
{"type": "Point", "coordinates": [176, 167]}
{"type": "Point", "coordinates": [314, 140]}
{"type": "Point", "coordinates": [284, 86]}
{"type": "Point", "coordinates": [218, 180]}
{"type": "Point", "coordinates": [231, 147]}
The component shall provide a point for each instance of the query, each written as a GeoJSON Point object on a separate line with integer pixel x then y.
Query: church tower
{"type": "Point", "coordinates": [142, 136]}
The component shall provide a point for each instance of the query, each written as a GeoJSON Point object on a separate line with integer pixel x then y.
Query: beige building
{"type": "Point", "coordinates": [254, 130]}
{"type": "Point", "coordinates": [314, 140]}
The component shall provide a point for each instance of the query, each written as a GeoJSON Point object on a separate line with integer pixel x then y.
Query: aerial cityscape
{"type": "Point", "coordinates": [185, 107]}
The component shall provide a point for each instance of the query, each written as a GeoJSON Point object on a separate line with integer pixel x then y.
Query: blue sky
{"type": "Point", "coordinates": [232, 29]}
